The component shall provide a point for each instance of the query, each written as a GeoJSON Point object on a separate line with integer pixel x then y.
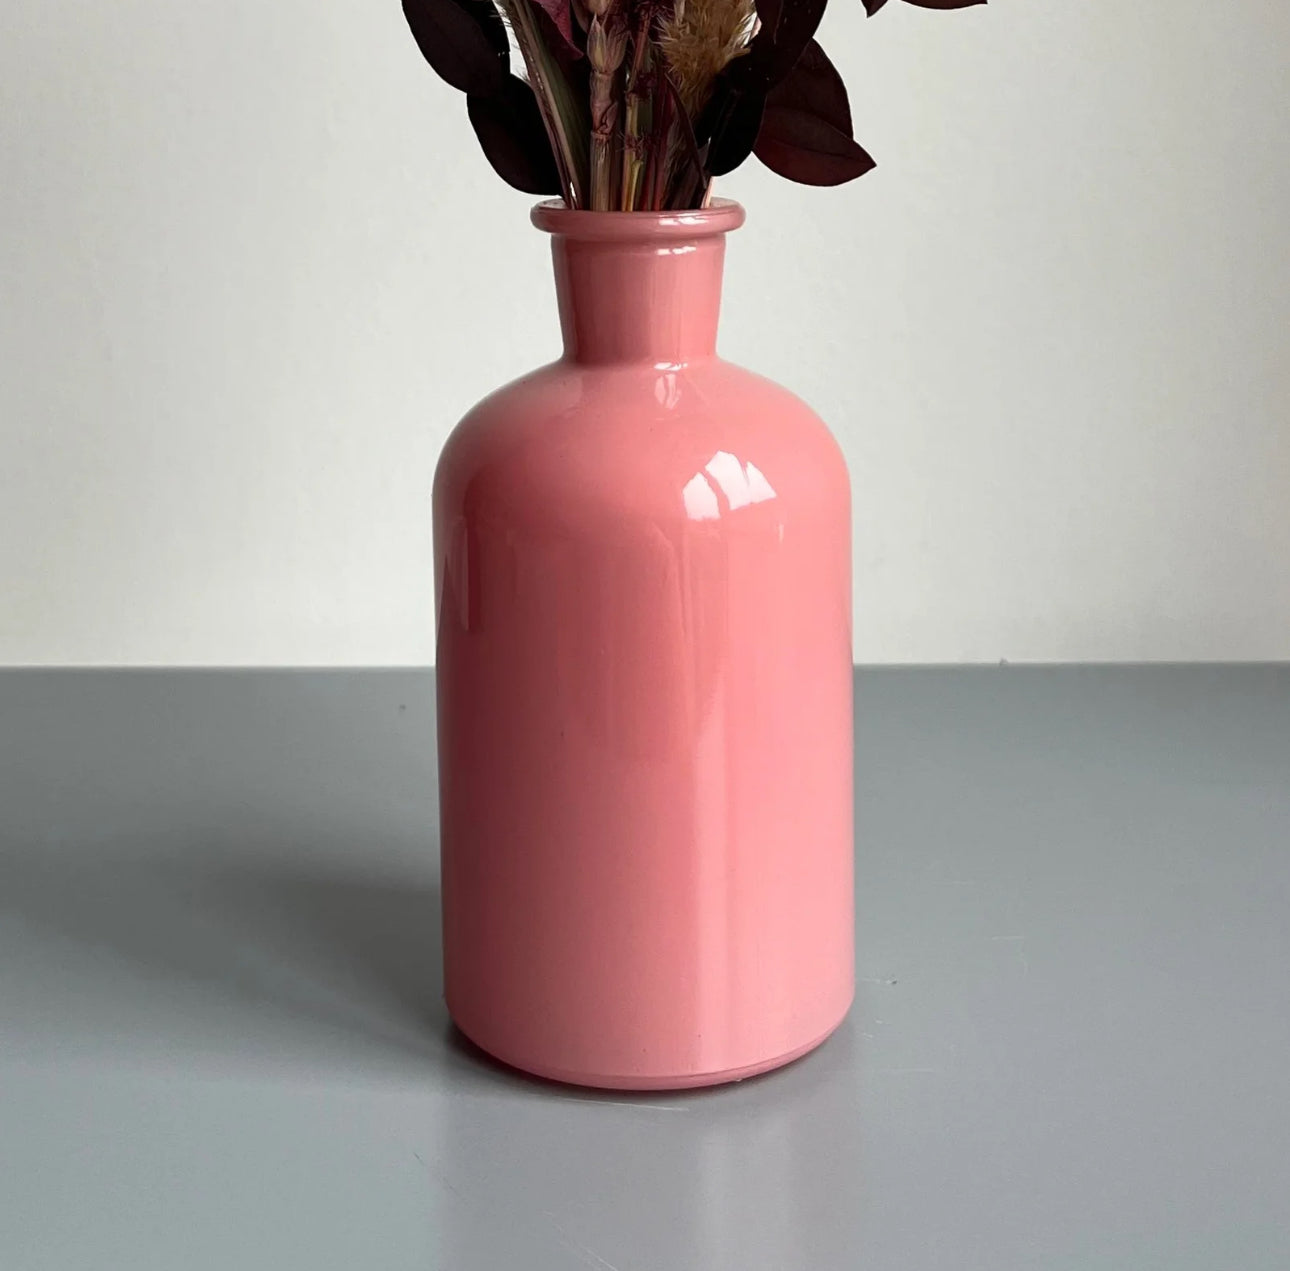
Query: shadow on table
{"type": "Point", "coordinates": [300, 970]}
{"type": "Point", "coordinates": [262, 960]}
{"type": "Point", "coordinates": [266, 961]}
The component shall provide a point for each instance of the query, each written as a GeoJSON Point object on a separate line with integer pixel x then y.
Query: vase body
{"type": "Point", "coordinates": [643, 595]}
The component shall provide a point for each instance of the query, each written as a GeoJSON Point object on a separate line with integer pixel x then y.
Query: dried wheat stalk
{"type": "Point", "coordinates": [606, 48]}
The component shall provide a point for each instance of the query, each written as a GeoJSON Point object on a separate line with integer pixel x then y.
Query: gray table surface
{"type": "Point", "coordinates": [222, 1043]}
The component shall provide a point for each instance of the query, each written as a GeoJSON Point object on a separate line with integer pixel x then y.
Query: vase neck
{"type": "Point", "coordinates": [639, 302]}
{"type": "Point", "coordinates": [639, 287]}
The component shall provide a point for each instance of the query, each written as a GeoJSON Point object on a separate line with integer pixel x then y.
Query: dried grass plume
{"type": "Point", "coordinates": [699, 39]}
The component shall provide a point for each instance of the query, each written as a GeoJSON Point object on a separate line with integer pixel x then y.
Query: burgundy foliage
{"type": "Point", "coordinates": [782, 99]}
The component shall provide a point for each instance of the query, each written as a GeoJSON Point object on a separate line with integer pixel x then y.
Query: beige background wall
{"type": "Point", "coordinates": [252, 268]}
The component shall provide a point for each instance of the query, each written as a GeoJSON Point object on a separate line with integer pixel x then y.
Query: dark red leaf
{"type": "Point", "coordinates": [568, 53]}
{"type": "Point", "coordinates": [815, 86]}
{"type": "Point", "coordinates": [463, 40]}
{"type": "Point", "coordinates": [732, 119]}
{"type": "Point", "coordinates": [513, 137]}
{"type": "Point", "coordinates": [872, 6]}
{"type": "Point", "coordinates": [805, 148]}
{"type": "Point", "coordinates": [561, 14]}
{"type": "Point", "coordinates": [736, 132]}
{"type": "Point", "coordinates": [786, 27]}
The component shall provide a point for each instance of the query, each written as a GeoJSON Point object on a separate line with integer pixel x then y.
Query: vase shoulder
{"type": "Point", "coordinates": [689, 442]}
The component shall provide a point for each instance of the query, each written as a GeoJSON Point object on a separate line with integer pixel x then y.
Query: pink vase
{"type": "Point", "coordinates": [644, 683]}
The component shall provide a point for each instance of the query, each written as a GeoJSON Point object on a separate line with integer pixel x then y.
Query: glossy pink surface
{"type": "Point", "coordinates": [644, 670]}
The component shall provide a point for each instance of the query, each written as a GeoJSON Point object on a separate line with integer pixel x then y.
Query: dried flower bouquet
{"type": "Point", "coordinates": [636, 105]}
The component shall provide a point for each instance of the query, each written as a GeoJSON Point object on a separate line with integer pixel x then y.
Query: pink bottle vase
{"type": "Point", "coordinates": [643, 589]}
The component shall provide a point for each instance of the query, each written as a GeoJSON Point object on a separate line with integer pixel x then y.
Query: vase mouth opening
{"type": "Point", "coordinates": [719, 217]}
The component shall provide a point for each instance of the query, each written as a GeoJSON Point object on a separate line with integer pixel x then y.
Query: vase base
{"type": "Point", "coordinates": [643, 1082]}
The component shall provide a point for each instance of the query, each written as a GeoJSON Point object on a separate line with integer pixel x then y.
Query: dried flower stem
{"type": "Point", "coordinates": [637, 123]}
{"type": "Point", "coordinates": [560, 112]}
{"type": "Point", "coordinates": [659, 166]}
{"type": "Point", "coordinates": [687, 171]}
{"type": "Point", "coordinates": [606, 48]}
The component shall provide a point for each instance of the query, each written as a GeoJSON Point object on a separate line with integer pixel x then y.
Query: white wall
{"type": "Point", "coordinates": [252, 268]}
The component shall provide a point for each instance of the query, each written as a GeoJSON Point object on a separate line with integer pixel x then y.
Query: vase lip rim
{"type": "Point", "coordinates": [719, 217]}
